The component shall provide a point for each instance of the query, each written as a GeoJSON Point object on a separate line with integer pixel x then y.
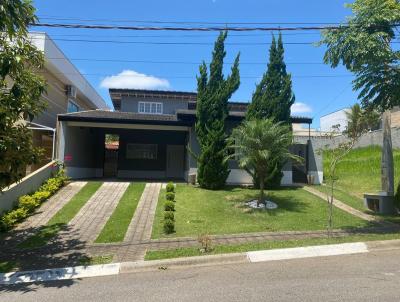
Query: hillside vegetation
{"type": "Point", "coordinates": [359, 171]}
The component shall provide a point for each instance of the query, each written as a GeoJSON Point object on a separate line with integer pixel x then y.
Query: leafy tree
{"type": "Point", "coordinates": [260, 146]}
{"type": "Point", "coordinates": [213, 93]}
{"type": "Point", "coordinates": [20, 89]}
{"type": "Point", "coordinates": [360, 120]}
{"type": "Point", "coordinates": [363, 45]}
{"type": "Point", "coordinates": [273, 98]}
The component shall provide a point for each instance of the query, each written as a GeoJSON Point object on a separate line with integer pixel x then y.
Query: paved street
{"type": "Point", "coordinates": [362, 277]}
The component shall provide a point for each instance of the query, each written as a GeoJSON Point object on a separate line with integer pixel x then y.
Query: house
{"type": "Point", "coordinates": [67, 91]}
{"type": "Point", "coordinates": [155, 131]}
{"type": "Point", "coordinates": [339, 117]}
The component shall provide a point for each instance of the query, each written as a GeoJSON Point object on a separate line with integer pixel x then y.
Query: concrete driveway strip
{"type": "Point", "coordinates": [363, 277]}
{"type": "Point", "coordinates": [89, 221]}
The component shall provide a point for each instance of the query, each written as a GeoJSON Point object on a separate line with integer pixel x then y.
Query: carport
{"type": "Point", "coordinates": [149, 146]}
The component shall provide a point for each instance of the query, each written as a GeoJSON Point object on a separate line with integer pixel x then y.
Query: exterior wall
{"type": "Point", "coordinates": [9, 197]}
{"type": "Point", "coordinates": [131, 104]}
{"type": "Point", "coordinates": [334, 118]}
{"type": "Point", "coordinates": [83, 152]}
{"type": "Point", "coordinates": [56, 101]}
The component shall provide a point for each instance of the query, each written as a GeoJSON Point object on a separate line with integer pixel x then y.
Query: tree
{"type": "Point", "coordinates": [337, 153]}
{"type": "Point", "coordinates": [260, 146]}
{"type": "Point", "coordinates": [363, 45]}
{"type": "Point", "coordinates": [213, 93]}
{"type": "Point", "coordinates": [360, 120]}
{"type": "Point", "coordinates": [273, 98]}
{"type": "Point", "coordinates": [20, 89]}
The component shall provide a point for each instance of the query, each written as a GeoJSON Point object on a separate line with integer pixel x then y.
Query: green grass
{"type": "Point", "coordinates": [94, 260]}
{"type": "Point", "coordinates": [265, 245]}
{"type": "Point", "coordinates": [359, 172]}
{"type": "Point", "coordinates": [62, 217]}
{"type": "Point", "coordinates": [200, 211]}
{"type": "Point", "coordinates": [7, 266]}
{"type": "Point", "coordinates": [117, 225]}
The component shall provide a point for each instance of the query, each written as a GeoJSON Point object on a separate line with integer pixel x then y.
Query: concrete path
{"type": "Point", "coordinates": [92, 217]}
{"type": "Point", "coordinates": [341, 205]}
{"type": "Point", "coordinates": [47, 210]}
{"type": "Point", "coordinates": [141, 225]}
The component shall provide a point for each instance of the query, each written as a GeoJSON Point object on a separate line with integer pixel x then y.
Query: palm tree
{"type": "Point", "coordinates": [260, 145]}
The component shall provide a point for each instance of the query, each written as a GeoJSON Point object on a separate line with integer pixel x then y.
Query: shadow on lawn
{"type": "Point", "coordinates": [63, 249]}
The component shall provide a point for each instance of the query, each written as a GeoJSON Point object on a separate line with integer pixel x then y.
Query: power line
{"type": "Point", "coordinates": [332, 101]}
{"type": "Point", "coordinates": [203, 29]}
{"type": "Point", "coordinates": [178, 62]}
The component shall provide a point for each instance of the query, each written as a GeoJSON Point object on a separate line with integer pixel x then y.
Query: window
{"type": "Point", "coordinates": [150, 107]}
{"type": "Point", "coordinates": [141, 151]}
{"type": "Point", "coordinates": [72, 107]}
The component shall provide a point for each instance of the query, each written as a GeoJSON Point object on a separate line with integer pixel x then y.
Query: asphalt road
{"type": "Point", "coordinates": [363, 277]}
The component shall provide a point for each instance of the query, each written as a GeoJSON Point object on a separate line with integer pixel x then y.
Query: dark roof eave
{"type": "Point", "coordinates": [86, 119]}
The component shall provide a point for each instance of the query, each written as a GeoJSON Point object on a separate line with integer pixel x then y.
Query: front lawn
{"type": "Point", "coordinates": [200, 211]}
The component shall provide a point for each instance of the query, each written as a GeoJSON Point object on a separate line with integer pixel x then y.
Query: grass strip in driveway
{"type": "Point", "coordinates": [95, 260]}
{"type": "Point", "coordinates": [264, 245]}
{"type": "Point", "coordinates": [62, 217]}
{"type": "Point", "coordinates": [7, 266]}
{"type": "Point", "coordinates": [117, 225]}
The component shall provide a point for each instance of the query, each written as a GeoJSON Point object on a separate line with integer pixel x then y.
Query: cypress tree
{"type": "Point", "coordinates": [273, 97]}
{"type": "Point", "coordinates": [213, 93]}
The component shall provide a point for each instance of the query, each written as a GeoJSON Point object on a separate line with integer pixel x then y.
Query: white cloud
{"type": "Point", "coordinates": [134, 80]}
{"type": "Point", "coordinates": [299, 107]}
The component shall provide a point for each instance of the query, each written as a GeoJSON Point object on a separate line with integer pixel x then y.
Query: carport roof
{"type": "Point", "coordinates": [107, 116]}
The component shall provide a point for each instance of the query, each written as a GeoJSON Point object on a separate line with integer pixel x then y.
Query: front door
{"type": "Point", "coordinates": [175, 161]}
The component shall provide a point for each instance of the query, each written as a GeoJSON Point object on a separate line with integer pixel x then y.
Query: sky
{"type": "Point", "coordinates": [170, 60]}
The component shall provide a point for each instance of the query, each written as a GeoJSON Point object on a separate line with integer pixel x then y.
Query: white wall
{"type": "Point", "coordinates": [334, 118]}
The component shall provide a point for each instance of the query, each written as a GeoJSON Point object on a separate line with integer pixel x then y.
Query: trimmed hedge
{"type": "Point", "coordinates": [28, 203]}
{"type": "Point", "coordinates": [169, 226]}
{"type": "Point", "coordinates": [170, 196]}
{"type": "Point", "coordinates": [169, 206]}
{"type": "Point", "coordinates": [169, 215]}
{"type": "Point", "coordinates": [170, 187]}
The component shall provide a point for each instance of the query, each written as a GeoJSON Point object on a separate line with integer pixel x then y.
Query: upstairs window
{"type": "Point", "coordinates": [72, 107]}
{"type": "Point", "coordinates": [150, 107]}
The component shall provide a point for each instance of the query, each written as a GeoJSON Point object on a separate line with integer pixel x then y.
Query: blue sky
{"type": "Point", "coordinates": [316, 95]}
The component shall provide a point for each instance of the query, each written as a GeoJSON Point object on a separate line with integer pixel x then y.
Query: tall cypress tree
{"type": "Point", "coordinates": [213, 93]}
{"type": "Point", "coordinates": [273, 98]}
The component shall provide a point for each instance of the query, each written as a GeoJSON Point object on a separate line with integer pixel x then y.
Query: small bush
{"type": "Point", "coordinates": [169, 226]}
{"type": "Point", "coordinates": [170, 196]}
{"type": "Point", "coordinates": [28, 202]}
{"type": "Point", "coordinates": [170, 187]}
{"type": "Point", "coordinates": [13, 217]}
{"type": "Point", "coordinates": [41, 196]}
{"type": "Point", "coordinates": [205, 242]}
{"type": "Point", "coordinates": [169, 206]}
{"type": "Point", "coordinates": [169, 215]}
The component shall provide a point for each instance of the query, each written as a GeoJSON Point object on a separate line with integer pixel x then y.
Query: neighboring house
{"type": "Point", "coordinates": [339, 117]}
{"type": "Point", "coordinates": [156, 137]}
{"type": "Point", "coordinates": [67, 91]}
{"type": "Point", "coordinates": [328, 121]}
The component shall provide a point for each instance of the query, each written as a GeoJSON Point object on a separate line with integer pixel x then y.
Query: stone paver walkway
{"type": "Point", "coordinates": [92, 217]}
{"type": "Point", "coordinates": [341, 205]}
{"type": "Point", "coordinates": [46, 211]}
{"type": "Point", "coordinates": [141, 225]}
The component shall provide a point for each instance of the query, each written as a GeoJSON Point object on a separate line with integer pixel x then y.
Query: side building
{"type": "Point", "coordinates": [155, 134]}
{"type": "Point", "coordinates": [67, 91]}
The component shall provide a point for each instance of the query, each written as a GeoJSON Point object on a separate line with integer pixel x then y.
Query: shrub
{"type": "Point", "coordinates": [41, 196]}
{"type": "Point", "coordinates": [28, 202]}
{"type": "Point", "coordinates": [205, 242]}
{"type": "Point", "coordinates": [170, 196]}
{"type": "Point", "coordinates": [169, 215]}
{"type": "Point", "coordinates": [169, 206]}
{"type": "Point", "coordinates": [169, 226]}
{"type": "Point", "coordinates": [170, 187]}
{"type": "Point", "coordinates": [13, 217]}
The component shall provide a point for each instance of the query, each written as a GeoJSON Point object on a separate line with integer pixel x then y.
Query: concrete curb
{"type": "Point", "coordinates": [78, 272]}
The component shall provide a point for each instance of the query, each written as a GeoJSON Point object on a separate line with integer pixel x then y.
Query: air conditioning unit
{"type": "Point", "coordinates": [71, 91]}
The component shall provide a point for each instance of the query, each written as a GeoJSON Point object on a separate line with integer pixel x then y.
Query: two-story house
{"type": "Point", "coordinates": [156, 135]}
{"type": "Point", "coordinates": [67, 90]}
